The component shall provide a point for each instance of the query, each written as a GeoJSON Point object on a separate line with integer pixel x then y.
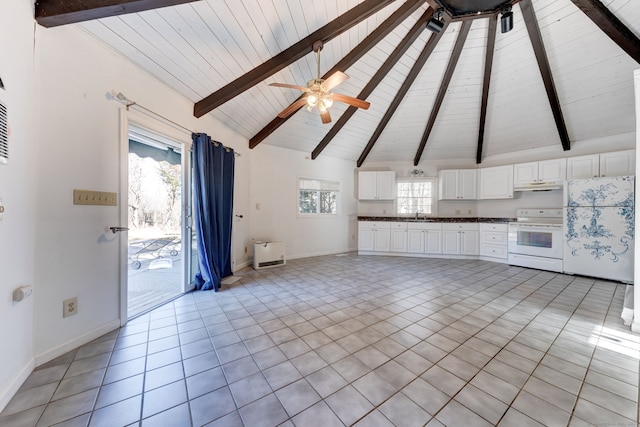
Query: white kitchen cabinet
{"type": "Point", "coordinates": [496, 182]}
{"type": "Point", "coordinates": [424, 237]}
{"type": "Point", "coordinates": [583, 166]}
{"type": "Point", "coordinates": [615, 163]}
{"type": "Point", "coordinates": [460, 239]}
{"type": "Point", "coordinates": [618, 163]}
{"type": "Point", "coordinates": [374, 236]}
{"type": "Point", "coordinates": [376, 185]}
{"type": "Point", "coordinates": [457, 184]}
{"type": "Point", "coordinates": [554, 170]}
{"type": "Point", "coordinates": [493, 240]}
{"type": "Point", "coordinates": [398, 237]}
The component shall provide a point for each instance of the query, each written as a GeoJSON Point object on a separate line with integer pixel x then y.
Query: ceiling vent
{"type": "Point", "coordinates": [4, 126]}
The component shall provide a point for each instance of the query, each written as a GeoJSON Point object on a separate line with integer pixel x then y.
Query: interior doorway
{"type": "Point", "coordinates": [159, 250]}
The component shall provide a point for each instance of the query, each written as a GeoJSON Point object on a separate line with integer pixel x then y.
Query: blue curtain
{"type": "Point", "coordinates": [212, 209]}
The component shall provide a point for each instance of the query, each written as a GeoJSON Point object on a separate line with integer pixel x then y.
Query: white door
{"type": "Point", "coordinates": [433, 242]}
{"type": "Point", "coordinates": [398, 240]}
{"type": "Point", "coordinates": [386, 185]}
{"type": "Point", "coordinates": [367, 186]}
{"type": "Point", "coordinates": [155, 205]}
{"type": "Point", "coordinates": [468, 184]}
{"type": "Point", "coordinates": [618, 163]}
{"type": "Point", "coordinates": [451, 242]}
{"type": "Point", "coordinates": [366, 239]}
{"type": "Point", "coordinates": [470, 242]}
{"type": "Point", "coordinates": [415, 241]}
{"type": "Point", "coordinates": [382, 239]}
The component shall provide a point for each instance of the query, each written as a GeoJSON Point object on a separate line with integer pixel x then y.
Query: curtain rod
{"type": "Point", "coordinates": [120, 97]}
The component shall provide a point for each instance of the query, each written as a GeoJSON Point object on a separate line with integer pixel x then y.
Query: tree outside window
{"type": "Point", "coordinates": [415, 196]}
{"type": "Point", "coordinates": [317, 197]}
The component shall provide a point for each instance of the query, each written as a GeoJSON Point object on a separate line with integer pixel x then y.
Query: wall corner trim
{"type": "Point", "coordinates": [7, 393]}
{"type": "Point", "coordinates": [89, 336]}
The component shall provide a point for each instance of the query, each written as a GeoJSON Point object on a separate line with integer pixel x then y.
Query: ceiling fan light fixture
{"type": "Point", "coordinates": [506, 20]}
{"type": "Point", "coordinates": [327, 101]}
{"type": "Point", "coordinates": [312, 100]}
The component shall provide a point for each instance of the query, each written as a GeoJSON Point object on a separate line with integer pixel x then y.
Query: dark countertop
{"type": "Point", "coordinates": [435, 219]}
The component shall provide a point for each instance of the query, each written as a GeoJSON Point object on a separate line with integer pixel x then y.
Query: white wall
{"type": "Point", "coordinates": [17, 190]}
{"type": "Point", "coordinates": [79, 148]}
{"type": "Point", "coordinates": [66, 134]}
{"type": "Point", "coordinates": [273, 203]}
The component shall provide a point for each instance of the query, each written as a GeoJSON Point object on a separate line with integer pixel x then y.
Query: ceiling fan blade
{"type": "Point", "coordinates": [326, 117]}
{"type": "Point", "coordinates": [302, 88]}
{"type": "Point", "coordinates": [293, 108]}
{"type": "Point", "coordinates": [351, 101]}
{"type": "Point", "coordinates": [334, 80]}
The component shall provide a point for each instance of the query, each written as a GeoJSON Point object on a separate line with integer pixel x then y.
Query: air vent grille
{"type": "Point", "coordinates": [4, 134]}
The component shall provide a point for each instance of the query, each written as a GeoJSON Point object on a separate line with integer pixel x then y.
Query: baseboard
{"type": "Point", "coordinates": [8, 392]}
{"type": "Point", "coordinates": [322, 253]}
{"type": "Point", "coordinates": [63, 348]}
{"type": "Point", "coordinates": [242, 265]}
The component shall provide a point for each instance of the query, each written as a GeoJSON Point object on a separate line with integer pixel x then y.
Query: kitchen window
{"type": "Point", "coordinates": [415, 196]}
{"type": "Point", "coordinates": [318, 197]}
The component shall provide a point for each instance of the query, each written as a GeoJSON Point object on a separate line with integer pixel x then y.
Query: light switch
{"type": "Point", "coordinates": [101, 198]}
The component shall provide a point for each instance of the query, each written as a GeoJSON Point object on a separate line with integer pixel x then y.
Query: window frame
{"type": "Point", "coordinates": [337, 186]}
{"type": "Point", "coordinates": [434, 195]}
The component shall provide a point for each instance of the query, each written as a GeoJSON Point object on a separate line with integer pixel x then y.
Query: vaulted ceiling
{"type": "Point", "coordinates": [562, 75]}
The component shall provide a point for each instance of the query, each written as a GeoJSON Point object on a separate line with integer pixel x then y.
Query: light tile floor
{"type": "Point", "coordinates": [355, 340]}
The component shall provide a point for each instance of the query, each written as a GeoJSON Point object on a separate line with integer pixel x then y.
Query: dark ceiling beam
{"type": "Point", "coordinates": [446, 79]}
{"type": "Point", "coordinates": [52, 13]}
{"type": "Point", "coordinates": [611, 26]}
{"type": "Point", "coordinates": [488, 65]}
{"type": "Point", "coordinates": [290, 55]}
{"type": "Point", "coordinates": [531, 22]}
{"type": "Point", "coordinates": [406, 85]}
{"type": "Point", "coordinates": [382, 72]}
{"type": "Point", "coordinates": [351, 58]}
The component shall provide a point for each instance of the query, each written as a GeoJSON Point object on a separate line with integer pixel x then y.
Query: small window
{"type": "Point", "coordinates": [415, 196]}
{"type": "Point", "coordinates": [316, 196]}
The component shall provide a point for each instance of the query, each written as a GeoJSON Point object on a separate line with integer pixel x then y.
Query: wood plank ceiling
{"type": "Point", "coordinates": [562, 75]}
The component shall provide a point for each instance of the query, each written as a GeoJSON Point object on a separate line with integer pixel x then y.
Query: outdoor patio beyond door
{"type": "Point", "coordinates": [155, 267]}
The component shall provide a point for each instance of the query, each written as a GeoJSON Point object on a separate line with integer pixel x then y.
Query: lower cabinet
{"type": "Point", "coordinates": [424, 238]}
{"type": "Point", "coordinates": [493, 241]}
{"type": "Point", "coordinates": [374, 236]}
{"type": "Point", "coordinates": [398, 237]}
{"type": "Point", "coordinates": [487, 240]}
{"type": "Point", "coordinates": [460, 239]}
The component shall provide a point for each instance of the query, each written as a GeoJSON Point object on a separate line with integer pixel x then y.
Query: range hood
{"type": "Point", "coordinates": [539, 186]}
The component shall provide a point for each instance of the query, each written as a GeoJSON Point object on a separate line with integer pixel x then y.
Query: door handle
{"type": "Point", "coordinates": [115, 230]}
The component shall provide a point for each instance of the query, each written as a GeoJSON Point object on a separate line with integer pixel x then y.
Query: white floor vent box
{"type": "Point", "coordinates": [268, 254]}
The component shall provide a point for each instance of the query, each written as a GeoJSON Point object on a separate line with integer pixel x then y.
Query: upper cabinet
{"type": "Point", "coordinates": [376, 185]}
{"type": "Point", "coordinates": [606, 164]}
{"type": "Point", "coordinates": [539, 172]}
{"type": "Point", "coordinates": [496, 182]}
{"type": "Point", "coordinates": [458, 184]}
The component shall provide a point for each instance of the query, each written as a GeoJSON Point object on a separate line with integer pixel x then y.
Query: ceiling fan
{"type": "Point", "coordinates": [317, 93]}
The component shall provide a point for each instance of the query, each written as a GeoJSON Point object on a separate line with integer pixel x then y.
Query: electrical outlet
{"type": "Point", "coordinates": [69, 307]}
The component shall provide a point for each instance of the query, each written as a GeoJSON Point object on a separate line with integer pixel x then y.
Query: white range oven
{"type": "Point", "coordinates": [535, 240]}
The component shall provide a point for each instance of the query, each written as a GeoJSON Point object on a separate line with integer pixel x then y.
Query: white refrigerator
{"type": "Point", "coordinates": [599, 227]}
